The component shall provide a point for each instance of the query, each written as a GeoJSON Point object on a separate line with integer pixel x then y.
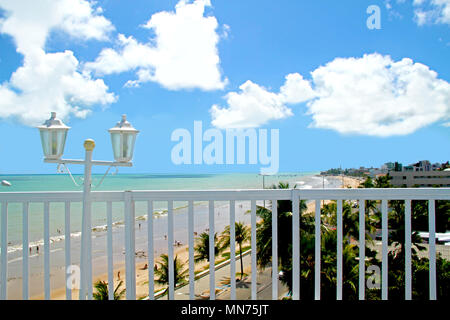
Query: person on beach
{"type": "Point", "coordinates": [37, 249]}
{"type": "Point", "coordinates": [118, 275]}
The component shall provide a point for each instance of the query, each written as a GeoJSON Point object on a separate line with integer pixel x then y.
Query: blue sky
{"type": "Point", "coordinates": [339, 93]}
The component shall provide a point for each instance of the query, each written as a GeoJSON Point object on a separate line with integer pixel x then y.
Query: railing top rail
{"type": "Point", "coordinates": [235, 194]}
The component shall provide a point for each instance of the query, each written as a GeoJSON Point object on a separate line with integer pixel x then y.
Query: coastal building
{"type": "Point", "coordinates": [388, 166]}
{"type": "Point", "coordinates": [435, 166]}
{"type": "Point", "coordinates": [420, 178]}
{"type": "Point", "coordinates": [397, 167]}
{"type": "Point", "coordinates": [423, 165]}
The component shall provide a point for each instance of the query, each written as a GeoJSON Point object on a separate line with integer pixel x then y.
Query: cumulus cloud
{"type": "Point", "coordinates": [182, 55]}
{"type": "Point", "coordinates": [296, 89]}
{"type": "Point", "coordinates": [377, 96]}
{"type": "Point", "coordinates": [132, 55]}
{"type": "Point", "coordinates": [254, 105]}
{"type": "Point", "coordinates": [372, 95]}
{"type": "Point", "coordinates": [51, 81]}
{"type": "Point", "coordinates": [29, 22]}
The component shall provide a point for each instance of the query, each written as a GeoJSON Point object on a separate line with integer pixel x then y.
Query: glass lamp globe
{"type": "Point", "coordinates": [53, 137]}
{"type": "Point", "coordinates": [123, 137]}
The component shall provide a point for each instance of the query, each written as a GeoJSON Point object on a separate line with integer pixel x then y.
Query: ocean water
{"type": "Point", "coordinates": [63, 182]}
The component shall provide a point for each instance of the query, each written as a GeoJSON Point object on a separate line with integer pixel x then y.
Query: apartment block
{"type": "Point", "coordinates": [420, 178]}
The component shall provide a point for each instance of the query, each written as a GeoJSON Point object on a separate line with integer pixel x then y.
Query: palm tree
{"type": "Point", "coordinates": [202, 247]}
{"type": "Point", "coordinates": [264, 229]}
{"type": "Point", "coordinates": [102, 291]}
{"type": "Point", "coordinates": [162, 272]}
{"type": "Point", "coordinates": [350, 218]}
{"type": "Point", "coordinates": [242, 233]}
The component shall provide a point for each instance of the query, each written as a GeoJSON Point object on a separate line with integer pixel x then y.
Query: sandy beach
{"type": "Point", "coordinates": [58, 291]}
{"type": "Point", "coordinates": [347, 182]}
{"type": "Point", "coordinates": [160, 245]}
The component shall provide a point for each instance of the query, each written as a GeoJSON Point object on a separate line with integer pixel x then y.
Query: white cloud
{"type": "Point", "coordinates": [29, 22]}
{"type": "Point", "coordinates": [432, 11]}
{"type": "Point", "coordinates": [50, 81]}
{"type": "Point", "coordinates": [226, 30]}
{"type": "Point", "coordinates": [182, 55]}
{"type": "Point", "coordinates": [296, 89]}
{"type": "Point", "coordinates": [79, 19]}
{"type": "Point", "coordinates": [372, 95]}
{"type": "Point", "coordinates": [393, 13]}
{"type": "Point", "coordinates": [376, 96]}
{"type": "Point", "coordinates": [425, 11]}
{"type": "Point", "coordinates": [133, 55]}
{"type": "Point", "coordinates": [254, 105]}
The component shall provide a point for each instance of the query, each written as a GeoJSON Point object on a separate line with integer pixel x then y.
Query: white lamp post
{"type": "Point", "coordinates": [53, 137]}
{"type": "Point", "coordinates": [123, 136]}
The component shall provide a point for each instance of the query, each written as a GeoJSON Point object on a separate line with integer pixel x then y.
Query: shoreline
{"type": "Point", "coordinates": [141, 273]}
{"type": "Point", "coordinates": [100, 261]}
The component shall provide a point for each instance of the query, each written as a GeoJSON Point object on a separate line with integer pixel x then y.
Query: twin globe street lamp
{"type": "Point", "coordinates": [53, 138]}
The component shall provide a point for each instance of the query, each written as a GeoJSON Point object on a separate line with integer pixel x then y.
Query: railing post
{"type": "Point", "coordinates": [317, 252]}
{"type": "Point", "coordinates": [109, 249]}
{"type": "Point", "coordinates": [254, 251]}
{"type": "Point", "coordinates": [47, 250]}
{"type": "Point", "coordinates": [295, 246]}
{"type": "Point", "coordinates": [67, 248]}
{"type": "Point", "coordinates": [151, 254]}
{"type": "Point", "coordinates": [4, 254]}
{"type": "Point", "coordinates": [191, 250]}
{"type": "Point", "coordinates": [408, 277]}
{"type": "Point", "coordinates": [212, 278]}
{"type": "Point", "coordinates": [233, 249]}
{"type": "Point", "coordinates": [384, 249]}
{"type": "Point", "coordinates": [170, 249]}
{"type": "Point", "coordinates": [130, 265]}
{"type": "Point", "coordinates": [339, 240]}
{"type": "Point", "coordinates": [432, 247]}
{"type": "Point", "coordinates": [362, 248]}
{"type": "Point", "coordinates": [274, 249]}
{"type": "Point", "coordinates": [25, 256]}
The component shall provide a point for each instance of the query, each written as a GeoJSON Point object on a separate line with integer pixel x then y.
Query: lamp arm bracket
{"type": "Point", "coordinates": [58, 169]}
{"type": "Point", "coordinates": [117, 169]}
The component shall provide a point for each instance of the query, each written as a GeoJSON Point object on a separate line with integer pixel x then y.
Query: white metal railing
{"type": "Point", "coordinates": [295, 195]}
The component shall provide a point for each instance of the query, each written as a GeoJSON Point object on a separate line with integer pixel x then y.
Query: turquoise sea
{"type": "Point", "coordinates": [63, 182]}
